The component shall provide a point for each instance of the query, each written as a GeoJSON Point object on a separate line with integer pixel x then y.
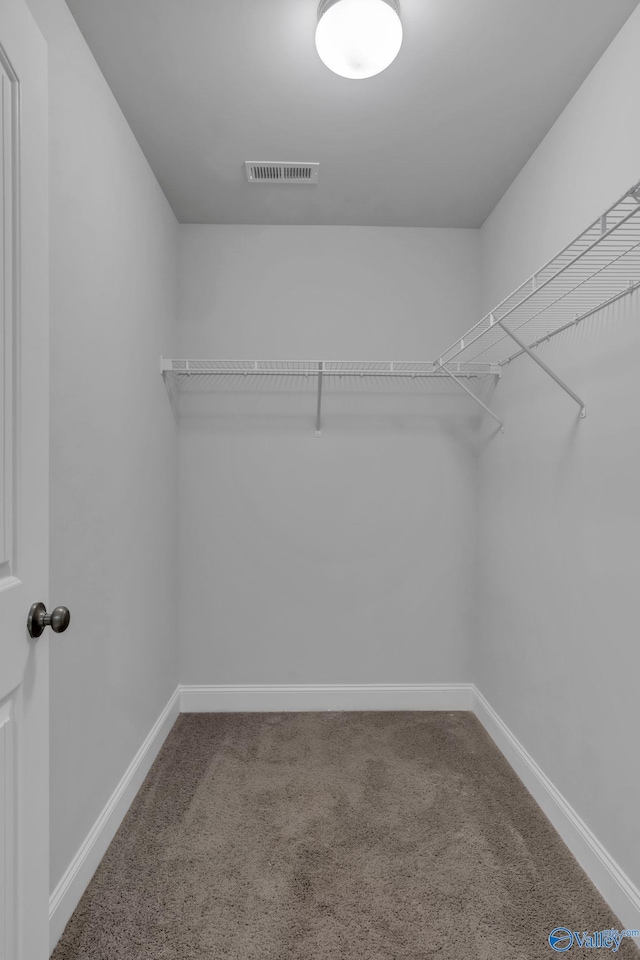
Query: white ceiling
{"type": "Point", "coordinates": [435, 140]}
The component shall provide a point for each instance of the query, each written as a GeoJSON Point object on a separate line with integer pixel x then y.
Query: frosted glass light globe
{"type": "Point", "coordinates": [358, 38]}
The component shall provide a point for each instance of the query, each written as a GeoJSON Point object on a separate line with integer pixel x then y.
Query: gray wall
{"type": "Point", "coordinates": [113, 439]}
{"type": "Point", "coordinates": [559, 524]}
{"type": "Point", "coordinates": [346, 558]}
{"type": "Point", "coordinates": [351, 557]}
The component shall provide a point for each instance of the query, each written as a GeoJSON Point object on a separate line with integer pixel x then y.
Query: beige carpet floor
{"type": "Point", "coordinates": [336, 836]}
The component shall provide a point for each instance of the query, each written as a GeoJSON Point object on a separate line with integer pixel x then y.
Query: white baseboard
{"type": "Point", "coordinates": [615, 886]}
{"type": "Point", "coordinates": [250, 698]}
{"type": "Point", "coordinates": [75, 880]}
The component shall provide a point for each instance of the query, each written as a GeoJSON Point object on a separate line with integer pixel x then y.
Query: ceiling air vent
{"type": "Point", "coordinates": [271, 172]}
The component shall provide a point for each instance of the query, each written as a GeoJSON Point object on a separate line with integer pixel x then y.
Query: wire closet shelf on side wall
{"type": "Point", "coordinates": [596, 269]}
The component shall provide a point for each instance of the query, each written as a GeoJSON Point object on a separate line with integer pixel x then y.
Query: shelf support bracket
{"type": "Point", "coordinates": [319, 408]}
{"type": "Point", "coordinates": [466, 389]}
{"type": "Point", "coordinates": [547, 370]}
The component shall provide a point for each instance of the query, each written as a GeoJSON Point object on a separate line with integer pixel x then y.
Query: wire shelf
{"type": "Point", "coordinates": [594, 270]}
{"type": "Point", "coordinates": [599, 267]}
{"type": "Point", "coordinates": [328, 368]}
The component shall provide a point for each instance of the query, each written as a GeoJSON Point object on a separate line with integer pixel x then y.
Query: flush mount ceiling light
{"type": "Point", "coordinates": [358, 38]}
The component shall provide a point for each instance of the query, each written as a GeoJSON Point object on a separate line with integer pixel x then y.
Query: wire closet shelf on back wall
{"type": "Point", "coordinates": [597, 268]}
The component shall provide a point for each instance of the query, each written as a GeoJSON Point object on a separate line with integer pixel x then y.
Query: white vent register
{"type": "Point", "coordinates": [261, 171]}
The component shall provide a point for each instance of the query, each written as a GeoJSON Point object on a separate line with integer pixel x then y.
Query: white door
{"type": "Point", "coordinates": [24, 486]}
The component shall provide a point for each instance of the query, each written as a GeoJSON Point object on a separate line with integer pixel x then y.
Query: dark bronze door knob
{"type": "Point", "coordinates": [38, 619]}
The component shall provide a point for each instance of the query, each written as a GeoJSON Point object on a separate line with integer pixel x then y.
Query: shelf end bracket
{"type": "Point", "coordinates": [547, 370]}
{"type": "Point", "coordinates": [443, 366]}
{"type": "Point", "coordinates": [319, 408]}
